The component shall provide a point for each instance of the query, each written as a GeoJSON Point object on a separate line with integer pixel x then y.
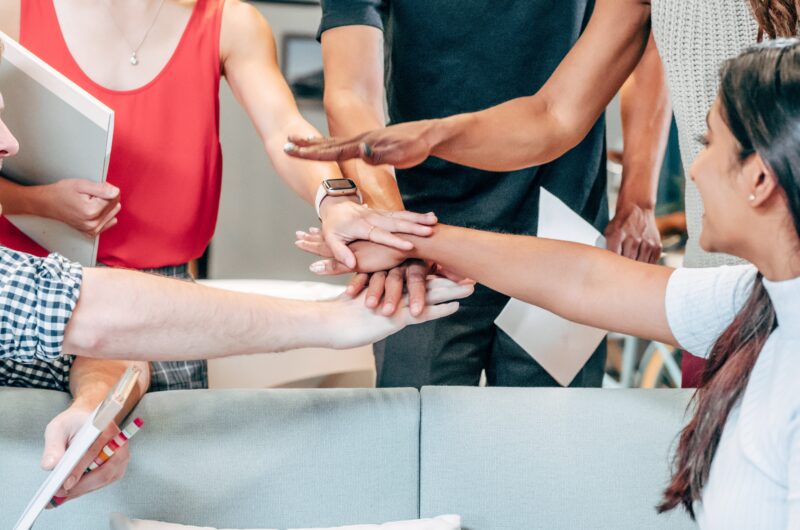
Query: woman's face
{"type": "Point", "coordinates": [718, 173]}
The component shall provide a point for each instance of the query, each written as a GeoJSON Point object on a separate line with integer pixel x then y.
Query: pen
{"type": "Point", "coordinates": [107, 452]}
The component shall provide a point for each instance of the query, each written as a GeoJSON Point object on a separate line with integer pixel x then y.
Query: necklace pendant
{"type": "Point", "coordinates": [134, 59]}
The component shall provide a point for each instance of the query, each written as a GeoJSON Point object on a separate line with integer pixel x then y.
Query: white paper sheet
{"type": "Point", "coordinates": [560, 346]}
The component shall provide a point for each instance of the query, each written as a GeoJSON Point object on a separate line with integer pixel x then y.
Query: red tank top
{"type": "Point", "coordinates": [165, 158]}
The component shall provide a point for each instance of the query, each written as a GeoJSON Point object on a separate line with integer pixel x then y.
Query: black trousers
{"type": "Point", "coordinates": [454, 351]}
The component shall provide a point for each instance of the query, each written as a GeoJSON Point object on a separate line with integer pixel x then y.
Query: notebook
{"type": "Point", "coordinates": [100, 419]}
{"type": "Point", "coordinates": [63, 131]}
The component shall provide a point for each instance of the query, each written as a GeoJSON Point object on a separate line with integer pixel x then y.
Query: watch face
{"type": "Point", "coordinates": [340, 184]}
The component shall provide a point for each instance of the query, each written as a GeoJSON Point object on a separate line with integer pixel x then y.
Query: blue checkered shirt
{"type": "Point", "coordinates": [37, 297]}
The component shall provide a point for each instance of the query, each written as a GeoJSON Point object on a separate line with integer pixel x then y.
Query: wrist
{"type": "Point", "coordinates": [327, 202]}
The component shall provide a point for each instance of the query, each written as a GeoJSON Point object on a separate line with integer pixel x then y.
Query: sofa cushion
{"type": "Point", "coordinates": [508, 459]}
{"type": "Point", "coordinates": [443, 522]}
{"type": "Point", "coordinates": [235, 458]}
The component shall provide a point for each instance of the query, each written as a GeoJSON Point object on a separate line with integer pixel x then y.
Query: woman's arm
{"type": "Point", "coordinates": [523, 132]}
{"type": "Point", "coordinates": [578, 282]}
{"type": "Point", "coordinates": [581, 283]}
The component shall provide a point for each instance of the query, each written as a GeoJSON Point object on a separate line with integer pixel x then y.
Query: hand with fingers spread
{"type": "Point", "coordinates": [57, 437]}
{"type": "Point", "coordinates": [86, 206]}
{"type": "Point", "coordinates": [345, 221]}
{"type": "Point", "coordinates": [403, 145]}
{"type": "Point", "coordinates": [351, 323]}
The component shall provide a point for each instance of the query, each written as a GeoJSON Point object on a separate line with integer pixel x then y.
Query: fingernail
{"type": "Point", "coordinates": [372, 301]}
{"type": "Point", "coordinates": [416, 309]}
{"type": "Point", "coordinates": [49, 461]}
{"type": "Point", "coordinates": [70, 482]}
{"type": "Point", "coordinates": [349, 289]}
{"type": "Point", "coordinates": [289, 146]}
{"type": "Point", "coordinates": [314, 230]}
{"type": "Point", "coordinates": [317, 267]}
{"type": "Point", "coordinates": [388, 309]}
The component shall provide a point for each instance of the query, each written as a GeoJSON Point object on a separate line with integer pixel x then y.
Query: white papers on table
{"type": "Point", "coordinates": [561, 347]}
{"type": "Point", "coordinates": [64, 133]}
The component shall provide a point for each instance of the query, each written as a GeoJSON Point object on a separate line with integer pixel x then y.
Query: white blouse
{"type": "Point", "coordinates": [754, 481]}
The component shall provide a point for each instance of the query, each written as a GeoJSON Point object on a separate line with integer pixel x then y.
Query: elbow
{"type": "Point", "coordinates": [85, 339]}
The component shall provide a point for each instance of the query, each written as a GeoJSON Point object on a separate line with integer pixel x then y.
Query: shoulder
{"type": "Point", "coordinates": [243, 26]}
{"type": "Point", "coordinates": [10, 13]}
{"type": "Point", "coordinates": [701, 303]}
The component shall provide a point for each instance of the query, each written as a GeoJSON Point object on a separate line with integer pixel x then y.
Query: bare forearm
{"type": "Point", "coordinates": [534, 130]}
{"type": "Point", "coordinates": [646, 118]}
{"type": "Point", "coordinates": [354, 98]}
{"type": "Point", "coordinates": [581, 283]}
{"type": "Point", "coordinates": [350, 115]}
{"type": "Point", "coordinates": [129, 315]}
{"type": "Point", "coordinates": [21, 200]}
{"type": "Point", "coordinates": [301, 176]}
{"type": "Point", "coordinates": [90, 380]}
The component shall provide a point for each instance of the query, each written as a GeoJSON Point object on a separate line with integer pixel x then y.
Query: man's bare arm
{"type": "Point", "coordinates": [123, 314]}
{"type": "Point", "coordinates": [526, 131]}
{"type": "Point", "coordinates": [354, 96]}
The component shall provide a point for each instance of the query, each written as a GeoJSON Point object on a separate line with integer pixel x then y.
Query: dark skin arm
{"type": "Point", "coordinates": [523, 132]}
{"type": "Point", "coordinates": [646, 118]}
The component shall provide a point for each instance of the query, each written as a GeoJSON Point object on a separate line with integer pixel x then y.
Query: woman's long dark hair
{"type": "Point", "coordinates": [776, 18]}
{"type": "Point", "coordinates": [760, 102]}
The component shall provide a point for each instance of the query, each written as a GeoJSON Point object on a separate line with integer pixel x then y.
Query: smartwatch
{"type": "Point", "coordinates": [336, 188]}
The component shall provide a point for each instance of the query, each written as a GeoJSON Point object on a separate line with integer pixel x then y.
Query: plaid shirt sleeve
{"type": "Point", "coordinates": [37, 297]}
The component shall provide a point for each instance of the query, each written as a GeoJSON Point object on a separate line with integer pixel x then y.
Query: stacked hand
{"type": "Point", "coordinates": [381, 270]}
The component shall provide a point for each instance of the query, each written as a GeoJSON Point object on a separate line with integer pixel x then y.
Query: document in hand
{"type": "Point", "coordinates": [80, 443]}
{"type": "Point", "coordinates": [64, 133]}
{"type": "Point", "coordinates": [561, 347]}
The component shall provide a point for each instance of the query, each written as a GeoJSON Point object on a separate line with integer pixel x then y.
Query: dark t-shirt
{"type": "Point", "coordinates": [446, 57]}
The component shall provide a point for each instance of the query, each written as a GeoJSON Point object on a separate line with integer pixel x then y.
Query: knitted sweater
{"type": "Point", "coordinates": [694, 37]}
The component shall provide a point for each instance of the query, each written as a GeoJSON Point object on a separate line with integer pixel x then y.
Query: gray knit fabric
{"type": "Point", "coordinates": [694, 37]}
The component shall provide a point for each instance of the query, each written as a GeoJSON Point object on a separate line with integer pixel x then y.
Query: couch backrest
{"type": "Point", "coordinates": [524, 459]}
{"type": "Point", "coordinates": [240, 459]}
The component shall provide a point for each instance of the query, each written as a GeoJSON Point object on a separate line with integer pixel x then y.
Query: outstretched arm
{"type": "Point", "coordinates": [522, 132]}
{"type": "Point", "coordinates": [124, 314]}
{"type": "Point", "coordinates": [578, 282]}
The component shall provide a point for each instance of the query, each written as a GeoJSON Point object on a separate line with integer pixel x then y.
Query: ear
{"type": "Point", "coordinates": [759, 182]}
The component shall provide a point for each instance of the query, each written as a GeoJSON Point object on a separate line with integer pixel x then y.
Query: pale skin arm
{"type": "Point", "coordinates": [646, 118]}
{"type": "Point", "coordinates": [250, 65]}
{"type": "Point", "coordinates": [523, 132]}
{"type": "Point", "coordinates": [124, 314]}
{"type": "Point", "coordinates": [90, 382]}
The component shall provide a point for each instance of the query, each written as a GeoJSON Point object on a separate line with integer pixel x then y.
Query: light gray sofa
{"type": "Point", "coordinates": [505, 459]}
